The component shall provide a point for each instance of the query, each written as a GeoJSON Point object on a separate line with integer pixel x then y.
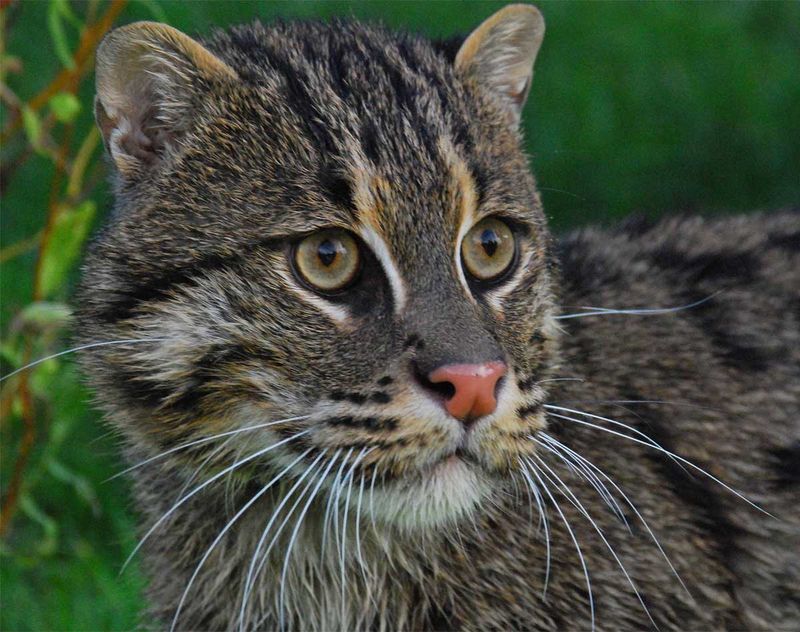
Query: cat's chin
{"type": "Point", "coordinates": [440, 495]}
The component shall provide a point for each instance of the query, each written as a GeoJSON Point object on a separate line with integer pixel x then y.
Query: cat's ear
{"type": "Point", "coordinates": [148, 81]}
{"type": "Point", "coordinates": [500, 53]}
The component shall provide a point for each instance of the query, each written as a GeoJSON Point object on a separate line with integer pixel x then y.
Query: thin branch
{"type": "Point", "coordinates": [25, 447]}
{"type": "Point", "coordinates": [67, 80]}
{"type": "Point", "coordinates": [20, 248]}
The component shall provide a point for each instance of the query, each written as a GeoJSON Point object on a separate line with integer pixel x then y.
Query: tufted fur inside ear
{"type": "Point", "coordinates": [147, 76]}
{"type": "Point", "coordinates": [500, 53]}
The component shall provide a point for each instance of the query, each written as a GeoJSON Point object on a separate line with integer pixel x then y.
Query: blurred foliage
{"type": "Point", "coordinates": [646, 107]}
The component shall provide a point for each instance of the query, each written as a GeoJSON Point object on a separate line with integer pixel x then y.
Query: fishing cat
{"type": "Point", "coordinates": [360, 385]}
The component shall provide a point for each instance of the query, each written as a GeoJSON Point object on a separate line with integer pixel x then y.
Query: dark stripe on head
{"type": "Point", "coordinates": [448, 47]}
{"type": "Point", "coordinates": [380, 397]}
{"type": "Point", "coordinates": [124, 303]}
{"type": "Point", "coordinates": [185, 396]}
{"type": "Point", "coordinates": [341, 396]}
{"type": "Point", "coordinates": [336, 187]}
{"type": "Point", "coordinates": [141, 390]}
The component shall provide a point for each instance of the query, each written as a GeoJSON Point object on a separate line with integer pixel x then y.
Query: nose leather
{"type": "Point", "coordinates": [474, 386]}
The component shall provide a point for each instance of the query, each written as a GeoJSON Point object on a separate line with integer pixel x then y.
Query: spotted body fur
{"type": "Point", "coordinates": [292, 460]}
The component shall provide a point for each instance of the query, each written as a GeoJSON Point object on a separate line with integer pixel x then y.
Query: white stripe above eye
{"type": "Point", "coordinates": [467, 222]}
{"type": "Point", "coordinates": [381, 250]}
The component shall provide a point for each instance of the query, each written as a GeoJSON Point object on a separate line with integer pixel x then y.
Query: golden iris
{"type": "Point", "coordinates": [488, 249]}
{"type": "Point", "coordinates": [328, 260]}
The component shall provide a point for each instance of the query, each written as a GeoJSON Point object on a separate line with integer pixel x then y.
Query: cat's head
{"type": "Point", "coordinates": [333, 225]}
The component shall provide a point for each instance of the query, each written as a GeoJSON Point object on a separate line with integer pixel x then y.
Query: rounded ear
{"type": "Point", "coordinates": [147, 86]}
{"type": "Point", "coordinates": [500, 53]}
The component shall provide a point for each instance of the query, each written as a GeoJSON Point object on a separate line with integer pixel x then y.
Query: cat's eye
{"type": "Point", "coordinates": [328, 260]}
{"type": "Point", "coordinates": [488, 249]}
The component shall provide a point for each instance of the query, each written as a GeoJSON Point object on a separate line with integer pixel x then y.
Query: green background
{"type": "Point", "coordinates": [635, 107]}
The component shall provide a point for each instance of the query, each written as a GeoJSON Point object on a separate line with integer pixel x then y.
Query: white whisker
{"type": "Point", "coordinates": [222, 533]}
{"type": "Point", "coordinates": [570, 496]}
{"type": "Point", "coordinates": [334, 487]}
{"type": "Point", "coordinates": [343, 558]}
{"type": "Point", "coordinates": [613, 422]}
{"type": "Point", "coordinates": [628, 501]}
{"type": "Point", "coordinates": [204, 440]}
{"type": "Point", "coordinates": [535, 471]}
{"type": "Point", "coordinates": [602, 311]}
{"type": "Point", "coordinates": [299, 521]}
{"type": "Point", "coordinates": [372, 498]}
{"type": "Point", "coordinates": [199, 469]}
{"type": "Point", "coordinates": [542, 517]}
{"type": "Point", "coordinates": [197, 489]}
{"type": "Point", "coordinates": [251, 575]}
{"type": "Point", "coordinates": [584, 472]}
{"type": "Point", "coordinates": [671, 455]}
{"type": "Point", "coordinates": [90, 345]}
{"type": "Point", "coordinates": [359, 555]}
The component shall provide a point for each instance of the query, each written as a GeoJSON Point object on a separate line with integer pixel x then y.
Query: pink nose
{"type": "Point", "coordinates": [474, 386]}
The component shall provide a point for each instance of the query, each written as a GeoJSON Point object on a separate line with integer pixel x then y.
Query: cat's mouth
{"type": "Point", "coordinates": [460, 455]}
{"type": "Point", "coordinates": [452, 460]}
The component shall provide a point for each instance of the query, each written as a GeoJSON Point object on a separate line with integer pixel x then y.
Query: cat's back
{"type": "Point", "coordinates": [699, 350]}
{"type": "Point", "coordinates": [727, 286]}
{"type": "Point", "coordinates": [702, 310]}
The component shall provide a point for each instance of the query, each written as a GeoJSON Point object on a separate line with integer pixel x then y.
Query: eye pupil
{"type": "Point", "coordinates": [488, 249]}
{"type": "Point", "coordinates": [327, 253]}
{"type": "Point", "coordinates": [328, 260]}
{"type": "Point", "coordinates": [489, 242]}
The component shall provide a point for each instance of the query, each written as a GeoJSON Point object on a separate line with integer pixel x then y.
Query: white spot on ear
{"type": "Point", "coordinates": [338, 314]}
{"type": "Point", "coordinates": [381, 250]}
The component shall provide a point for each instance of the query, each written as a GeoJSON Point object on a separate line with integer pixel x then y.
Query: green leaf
{"type": "Point", "coordinates": [81, 485]}
{"type": "Point", "coordinates": [43, 376]}
{"type": "Point", "coordinates": [32, 125]}
{"type": "Point", "coordinates": [58, 35]}
{"type": "Point", "coordinates": [65, 106]}
{"type": "Point", "coordinates": [60, 428]}
{"type": "Point", "coordinates": [69, 232]}
{"type": "Point", "coordinates": [66, 12]}
{"type": "Point", "coordinates": [10, 354]}
{"type": "Point", "coordinates": [49, 543]}
{"type": "Point", "coordinates": [43, 314]}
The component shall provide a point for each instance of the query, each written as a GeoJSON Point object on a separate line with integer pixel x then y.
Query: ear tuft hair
{"type": "Point", "coordinates": [147, 76]}
{"type": "Point", "coordinates": [500, 54]}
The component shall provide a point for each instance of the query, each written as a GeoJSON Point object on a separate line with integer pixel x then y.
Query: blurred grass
{"type": "Point", "coordinates": [649, 107]}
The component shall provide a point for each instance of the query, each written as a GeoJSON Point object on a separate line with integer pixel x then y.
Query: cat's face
{"type": "Point", "coordinates": [332, 227]}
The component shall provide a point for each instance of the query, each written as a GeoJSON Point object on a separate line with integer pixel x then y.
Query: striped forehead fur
{"type": "Point", "coordinates": [465, 205]}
